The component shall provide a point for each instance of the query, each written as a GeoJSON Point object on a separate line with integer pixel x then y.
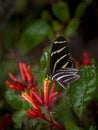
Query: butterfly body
{"type": "Point", "coordinates": [62, 67]}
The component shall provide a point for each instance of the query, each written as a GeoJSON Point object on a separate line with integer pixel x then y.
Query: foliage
{"type": "Point", "coordinates": [74, 108]}
{"type": "Point", "coordinates": [34, 35]}
{"type": "Point", "coordinates": [42, 23]}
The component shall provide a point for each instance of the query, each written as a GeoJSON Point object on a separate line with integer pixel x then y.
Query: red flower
{"type": "Point", "coordinates": [36, 113]}
{"type": "Point", "coordinates": [49, 97]}
{"type": "Point", "coordinates": [42, 100]}
{"type": "Point", "coordinates": [27, 79]}
{"type": "Point", "coordinates": [30, 100]}
{"type": "Point", "coordinates": [86, 60]}
{"type": "Point", "coordinates": [38, 100]}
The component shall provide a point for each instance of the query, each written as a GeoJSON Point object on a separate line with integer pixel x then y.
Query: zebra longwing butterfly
{"type": "Point", "coordinates": [62, 67]}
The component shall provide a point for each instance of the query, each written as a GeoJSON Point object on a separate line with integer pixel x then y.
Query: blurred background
{"type": "Point", "coordinates": [27, 28]}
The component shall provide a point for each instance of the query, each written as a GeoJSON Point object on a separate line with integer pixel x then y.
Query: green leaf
{"type": "Point", "coordinates": [18, 118]}
{"type": "Point", "coordinates": [34, 35]}
{"type": "Point", "coordinates": [83, 90]}
{"type": "Point", "coordinates": [46, 16]}
{"type": "Point", "coordinates": [40, 125]}
{"type": "Point", "coordinates": [72, 27]}
{"type": "Point", "coordinates": [43, 68]}
{"type": "Point", "coordinates": [61, 11]}
{"type": "Point", "coordinates": [14, 99]}
{"type": "Point", "coordinates": [31, 124]}
{"type": "Point", "coordinates": [69, 125]}
{"type": "Point", "coordinates": [26, 105]}
{"type": "Point", "coordinates": [56, 26]}
{"type": "Point", "coordinates": [64, 111]}
{"type": "Point", "coordinates": [80, 10]}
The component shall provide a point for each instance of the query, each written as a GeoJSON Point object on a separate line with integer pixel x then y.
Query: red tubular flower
{"type": "Point", "coordinates": [35, 113]}
{"type": "Point", "coordinates": [37, 98]}
{"type": "Point", "coordinates": [16, 86]}
{"type": "Point", "coordinates": [13, 77]}
{"type": "Point", "coordinates": [29, 76]}
{"type": "Point", "coordinates": [29, 92]}
{"type": "Point", "coordinates": [38, 101]}
{"type": "Point", "coordinates": [46, 91]}
{"type": "Point", "coordinates": [24, 78]}
{"type": "Point", "coordinates": [49, 97]}
{"type": "Point", "coordinates": [52, 91]}
{"type": "Point", "coordinates": [86, 60]}
{"type": "Point", "coordinates": [30, 100]}
{"type": "Point", "coordinates": [27, 79]}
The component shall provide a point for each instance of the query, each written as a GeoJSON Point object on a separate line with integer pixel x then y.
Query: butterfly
{"type": "Point", "coordinates": [62, 67]}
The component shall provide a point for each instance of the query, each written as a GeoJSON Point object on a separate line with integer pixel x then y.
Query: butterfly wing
{"type": "Point", "coordinates": [65, 76]}
{"type": "Point", "coordinates": [60, 54]}
{"type": "Point", "coordinates": [62, 68]}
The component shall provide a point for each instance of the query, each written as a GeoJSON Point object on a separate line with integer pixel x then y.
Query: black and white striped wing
{"type": "Point", "coordinates": [60, 54]}
{"type": "Point", "coordinates": [65, 76]}
{"type": "Point", "coordinates": [62, 68]}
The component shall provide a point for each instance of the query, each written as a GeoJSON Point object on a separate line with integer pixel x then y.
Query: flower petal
{"type": "Point", "coordinates": [30, 100]}
{"type": "Point", "coordinates": [46, 89]}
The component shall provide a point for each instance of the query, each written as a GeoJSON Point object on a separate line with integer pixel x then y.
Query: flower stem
{"type": "Point", "coordinates": [52, 122]}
